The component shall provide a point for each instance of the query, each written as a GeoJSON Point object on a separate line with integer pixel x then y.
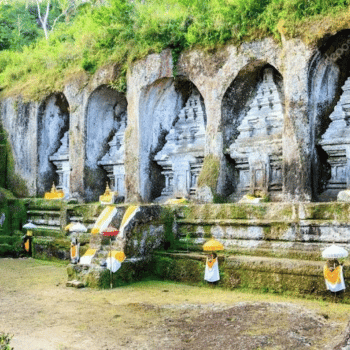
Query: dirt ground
{"type": "Point", "coordinates": [43, 314]}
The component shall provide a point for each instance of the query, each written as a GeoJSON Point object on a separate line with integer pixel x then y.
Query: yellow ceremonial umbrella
{"type": "Point", "coordinates": [67, 228]}
{"type": "Point", "coordinates": [212, 245]}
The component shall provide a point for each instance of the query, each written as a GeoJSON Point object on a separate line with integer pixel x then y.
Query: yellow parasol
{"type": "Point", "coordinates": [69, 226]}
{"type": "Point", "coordinates": [213, 244]}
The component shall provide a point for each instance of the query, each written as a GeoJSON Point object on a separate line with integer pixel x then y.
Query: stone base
{"type": "Point", "coordinates": [328, 196]}
{"type": "Point", "coordinates": [75, 284]}
{"type": "Point", "coordinates": [250, 199]}
{"type": "Point", "coordinates": [344, 196]}
{"type": "Point", "coordinates": [96, 276]}
{"type": "Point", "coordinates": [204, 195]}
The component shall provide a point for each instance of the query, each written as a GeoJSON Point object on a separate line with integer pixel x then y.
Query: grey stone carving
{"type": "Point", "coordinates": [113, 160]}
{"type": "Point", "coordinates": [61, 160]}
{"type": "Point", "coordinates": [336, 142]}
{"type": "Point", "coordinates": [182, 155]}
{"type": "Point", "coordinates": [257, 151]}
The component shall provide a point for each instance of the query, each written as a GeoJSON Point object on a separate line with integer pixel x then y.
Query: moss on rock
{"type": "Point", "coordinates": [209, 174]}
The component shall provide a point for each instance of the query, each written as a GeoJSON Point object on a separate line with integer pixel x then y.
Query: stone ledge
{"type": "Point", "coordinates": [250, 222]}
{"type": "Point", "coordinates": [75, 284]}
{"type": "Point", "coordinates": [264, 273]}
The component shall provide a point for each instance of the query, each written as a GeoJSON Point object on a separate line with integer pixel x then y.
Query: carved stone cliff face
{"type": "Point", "coordinates": [272, 132]}
{"type": "Point", "coordinates": [182, 155]}
{"type": "Point", "coordinates": [257, 151]}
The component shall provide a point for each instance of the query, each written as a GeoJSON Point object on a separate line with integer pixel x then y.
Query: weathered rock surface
{"type": "Point", "coordinates": [204, 194]}
{"type": "Point", "coordinates": [344, 196]}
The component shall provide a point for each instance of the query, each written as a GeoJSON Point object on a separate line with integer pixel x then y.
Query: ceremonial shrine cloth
{"type": "Point", "coordinates": [104, 219]}
{"type": "Point", "coordinates": [27, 245]}
{"type": "Point", "coordinates": [114, 260]}
{"type": "Point", "coordinates": [87, 257]}
{"type": "Point", "coordinates": [212, 271]}
{"type": "Point", "coordinates": [334, 279]}
{"type": "Point", "coordinates": [74, 252]}
{"type": "Point", "coordinates": [129, 214]}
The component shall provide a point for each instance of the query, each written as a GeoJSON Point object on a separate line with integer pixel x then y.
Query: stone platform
{"type": "Point", "coordinates": [276, 246]}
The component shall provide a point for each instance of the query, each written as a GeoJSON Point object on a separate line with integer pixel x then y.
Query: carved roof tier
{"type": "Point", "coordinates": [115, 154]}
{"type": "Point", "coordinates": [338, 131]}
{"type": "Point", "coordinates": [187, 136]}
{"type": "Point", "coordinates": [261, 128]}
{"type": "Point", "coordinates": [62, 153]}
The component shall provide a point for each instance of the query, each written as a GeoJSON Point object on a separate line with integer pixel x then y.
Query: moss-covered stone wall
{"type": "Point", "coordinates": [9, 179]}
{"type": "Point", "coordinates": [14, 214]}
{"type": "Point", "coordinates": [297, 277]}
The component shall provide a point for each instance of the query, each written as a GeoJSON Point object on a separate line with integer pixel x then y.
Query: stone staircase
{"type": "Point", "coordinates": [49, 238]}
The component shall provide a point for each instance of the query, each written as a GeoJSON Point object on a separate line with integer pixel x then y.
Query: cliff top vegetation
{"type": "Point", "coordinates": [43, 44]}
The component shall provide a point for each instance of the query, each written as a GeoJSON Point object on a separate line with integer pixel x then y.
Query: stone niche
{"type": "Point", "coordinates": [257, 151]}
{"type": "Point", "coordinates": [53, 124]}
{"type": "Point", "coordinates": [104, 149]}
{"type": "Point", "coordinates": [160, 105]}
{"type": "Point", "coordinates": [181, 158]}
{"type": "Point", "coordinates": [328, 112]}
{"type": "Point", "coordinates": [336, 142]}
{"type": "Point", "coordinates": [113, 160]}
{"type": "Point", "coordinates": [61, 160]}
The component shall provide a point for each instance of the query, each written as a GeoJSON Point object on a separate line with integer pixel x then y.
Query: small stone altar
{"type": "Point", "coordinates": [61, 160]}
{"type": "Point", "coordinates": [182, 155]}
{"type": "Point", "coordinates": [113, 160]}
{"type": "Point", "coordinates": [257, 151]}
{"type": "Point", "coordinates": [336, 142]}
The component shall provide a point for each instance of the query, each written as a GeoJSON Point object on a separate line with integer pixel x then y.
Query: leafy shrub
{"type": "Point", "coordinates": [5, 341]}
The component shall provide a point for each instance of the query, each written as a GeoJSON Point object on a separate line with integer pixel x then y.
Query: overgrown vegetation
{"type": "Point", "coordinates": [5, 341]}
{"type": "Point", "coordinates": [9, 179]}
{"type": "Point", "coordinates": [121, 31]}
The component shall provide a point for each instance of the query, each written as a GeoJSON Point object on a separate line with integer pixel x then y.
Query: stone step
{"type": "Point", "coordinates": [76, 218]}
{"type": "Point", "coordinates": [252, 222]}
{"type": "Point", "coordinates": [44, 212]}
{"type": "Point", "coordinates": [269, 248]}
{"type": "Point", "coordinates": [75, 284]}
{"type": "Point", "coordinates": [47, 232]}
{"type": "Point", "coordinates": [47, 224]}
{"type": "Point", "coordinates": [42, 204]}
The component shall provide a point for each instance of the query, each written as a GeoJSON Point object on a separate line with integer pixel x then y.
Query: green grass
{"type": "Point", "coordinates": [123, 31]}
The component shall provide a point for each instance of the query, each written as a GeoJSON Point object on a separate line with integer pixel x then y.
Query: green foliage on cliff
{"type": "Point", "coordinates": [121, 31]}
